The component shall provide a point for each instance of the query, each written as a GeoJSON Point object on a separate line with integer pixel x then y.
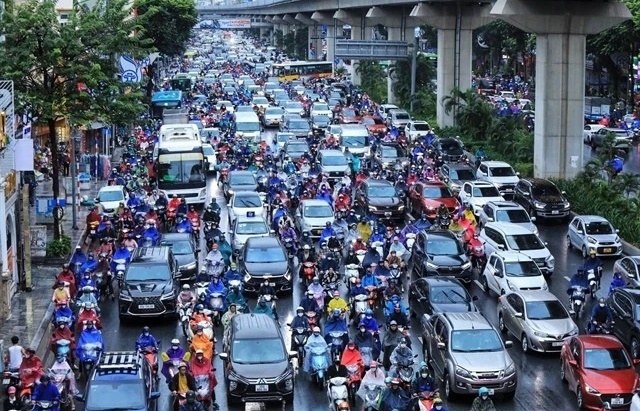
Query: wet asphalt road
{"type": "Point", "coordinates": [539, 386]}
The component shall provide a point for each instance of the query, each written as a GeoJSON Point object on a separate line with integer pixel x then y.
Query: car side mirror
{"type": "Point", "coordinates": [508, 344]}
{"type": "Point", "coordinates": [441, 346]}
{"type": "Point", "coordinates": [617, 231]}
{"type": "Point", "coordinates": [518, 315]}
{"type": "Point", "coordinates": [154, 395]}
{"type": "Point", "coordinates": [580, 232]}
{"type": "Point", "coordinates": [533, 219]}
{"type": "Point", "coordinates": [199, 249]}
{"type": "Point", "coordinates": [223, 356]}
{"type": "Point", "coordinates": [501, 247]}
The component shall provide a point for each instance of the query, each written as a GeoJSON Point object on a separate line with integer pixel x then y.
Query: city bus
{"type": "Point", "coordinates": [296, 70]}
{"type": "Point", "coordinates": [180, 163]}
{"type": "Point", "coordinates": [162, 100]}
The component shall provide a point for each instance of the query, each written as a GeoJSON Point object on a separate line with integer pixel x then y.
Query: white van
{"type": "Point", "coordinates": [356, 138]}
{"type": "Point", "coordinates": [248, 126]}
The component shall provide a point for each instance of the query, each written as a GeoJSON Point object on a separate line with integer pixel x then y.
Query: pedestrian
{"type": "Point", "coordinates": [13, 359]}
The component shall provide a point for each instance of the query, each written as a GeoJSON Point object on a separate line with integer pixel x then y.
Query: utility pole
{"type": "Point", "coordinates": [414, 64]}
{"type": "Point", "coordinates": [75, 135]}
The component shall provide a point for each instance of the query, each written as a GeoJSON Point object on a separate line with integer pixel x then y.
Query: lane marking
{"type": "Point", "coordinates": [480, 286]}
{"type": "Point", "coordinates": [567, 278]}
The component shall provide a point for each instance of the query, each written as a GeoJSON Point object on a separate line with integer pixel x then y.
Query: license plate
{"type": "Point", "coordinates": [491, 391]}
{"type": "Point", "coordinates": [617, 401]}
{"type": "Point", "coordinates": [387, 214]}
{"type": "Point", "coordinates": [146, 306]}
{"type": "Point", "coordinates": [557, 344]}
{"type": "Point", "coordinates": [607, 250]}
{"type": "Point", "coordinates": [262, 388]}
{"type": "Point", "coordinates": [6, 381]}
{"type": "Point", "coordinates": [555, 212]}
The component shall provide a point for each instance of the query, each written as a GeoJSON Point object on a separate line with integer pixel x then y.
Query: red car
{"type": "Point", "coordinates": [374, 124]}
{"type": "Point", "coordinates": [349, 116]}
{"type": "Point", "coordinates": [425, 198]}
{"type": "Point", "coordinates": [598, 369]}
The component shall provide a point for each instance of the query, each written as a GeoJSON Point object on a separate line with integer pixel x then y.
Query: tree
{"type": "Point", "coordinates": [68, 71]}
{"type": "Point", "coordinates": [371, 75]}
{"type": "Point", "coordinates": [167, 24]}
{"type": "Point", "coordinates": [425, 74]}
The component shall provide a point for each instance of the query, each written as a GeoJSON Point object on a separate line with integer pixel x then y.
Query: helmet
{"type": "Point", "coordinates": [191, 396]}
{"type": "Point", "coordinates": [186, 287]}
{"type": "Point", "coordinates": [11, 390]}
{"type": "Point", "coordinates": [306, 247]}
{"type": "Point", "coordinates": [299, 309]}
{"type": "Point", "coordinates": [199, 307]}
{"type": "Point", "coordinates": [373, 364]}
{"type": "Point", "coordinates": [483, 390]}
{"type": "Point", "coordinates": [369, 311]}
{"type": "Point", "coordinates": [601, 300]}
{"type": "Point", "coordinates": [437, 401]}
{"type": "Point", "coordinates": [175, 341]}
{"type": "Point", "coordinates": [316, 329]}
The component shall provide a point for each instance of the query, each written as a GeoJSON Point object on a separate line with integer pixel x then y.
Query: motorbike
{"type": "Point", "coordinates": [299, 336]}
{"type": "Point", "coordinates": [594, 284]}
{"type": "Point", "coordinates": [121, 266]}
{"type": "Point", "coordinates": [179, 399]}
{"type": "Point", "coordinates": [204, 390]}
{"type": "Point", "coordinates": [45, 405]}
{"type": "Point", "coordinates": [216, 303]}
{"type": "Point", "coordinates": [311, 316]}
{"type": "Point", "coordinates": [395, 274]}
{"type": "Point", "coordinates": [338, 342]}
{"type": "Point", "coordinates": [319, 365]}
{"type": "Point", "coordinates": [475, 249]}
{"type": "Point", "coordinates": [309, 271]}
{"type": "Point", "coordinates": [337, 391]}
{"type": "Point", "coordinates": [360, 306]}
{"type": "Point", "coordinates": [201, 288]}
{"type": "Point", "coordinates": [410, 240]}
{"type": "Point", "coordinates": [425, 400]}
{"type": "Point", "coordinates": [576, 301]}
{"type": "Point", "coordinates": [605, 328]}
{"type": "Point", "coordinates": [184, 311]}
{"type": "Point", "coordinates": [351, 273]}
{"type": "Point", "coordinates": [353, 382]}
{"type": "Point", "coordinates": [61, 381]}
{"type": "Point", "coordinates": [151, 355]}
{"type": "Point", "coordinates": [12, 379]}
{"type": "Point", "coordinates": [93, 227]}
{"type": "Point", "coordinates": [195, 229]}
{"type": "Point", "coordinates": [207, 327]}
{"type": "Point", "coordinates": [63, 348]}
{"type": "Point", "coordinates": [360, 255]}
{"type": "Point", "coordinates": [371, 396]}
{"type": "Point", "coordinates": [215, 269]}
{"type": "Point", "coordinates": [290, 247]}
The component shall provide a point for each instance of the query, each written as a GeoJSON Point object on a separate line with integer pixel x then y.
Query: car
{"type": "Point", "coordinates": [320, 122]}
{"type": "Point", "coordinates": [398, 118]}
{"type": "Point", "coordinates": [125, 380]}
{"type": "Point", "coordinates": [501, 175]}
{"type": "Point", "coordinates": [542, 198]}
{"type": "Point", "coordinates": [265, 257]}
{"type": "Point", "coordinates": [238, 180]}
{"type": "Point", "coordinates": [426, 197]}
{"type": "Point", "coordinates": [466, 353]}
{"type": "Point", "coordinates": [440, 253]}
{"type": "Point", "coordinates": [294, 149]}
{"type": "Point", "coordinates": [296, 125]}
{"type": "Point", "coordinates": [282, 137]}
{"type": "Point", "coordinates": [209, 133]}
{"type": "Point", "coordinates": [506, 212]}
{"type": "Point", "coordinates": [313, 215]}
{"type": "Point", "coordinates": [433, 295]}
{"type": "Point", "coordinates": [588, 131]}
{"type": "Point", "coordinates": [511, 237]}
{"type": "Point", "coordinates": [625, 308]}
{"type": "Point", "coordinates": [261, 102]}
{"type": "Point", "coordinates": [622, 138]}
{"type": "Point", "coordinates": [629, 267]}
{"type": "Point", "coordinates": [109, 199]}
{"type": "Point", "coordinates": [349, 116]}
{"type": "Point", "coordinates": [294, 107]}
{"type": "Point", "coordinates": [450, 149]}
{"type": "Point", "coordinates": [185, 250]}
{"type": "Point", "coordinates": [381, 199]}
{"type": "Point", "coordinates": [257, 364]}
{"type": "Point", "coordinates": [511, 271]}
{"type": "Point", "coordinates": [244, 109]}
{"type": "Point", "coordinates": [537, 318]}
{"type": "Point", "coordinates": [478, 193]}
{"type": "Point", "coordinates": [227, 105]}
{"type": "Point", "coordinates": [243, 202]}
{"type": "Point", "coordinates": [598, 369]}
{"type": "Point", "coordinates": [416, 129]}
{"type": "Point", "coordinates": [587, 232]}
{"type": "Point", "coordinates": [272, 116]}
{"type": "Point", "coordinates": [374, 124]}
{"type": "Point", "coordinates": [248, 226]}
{"type": "Point", "coordinates": [334, 130]}
{"type": "Point", "coordinates": [210, 156]}
{"type": "Point", "coordinates": [355, 137]}
{"type": "Point", "coordinates": [384, 109]}
{"type": "Point", "coordinates": [333, 164]}
{"type": "Point", "coordinates": [320, 108]}
{"type": "Point", "coordinates": [389, 155]}
{"type": "Point", "coordinates": [456, 174]}
{"type": "Point", "coordinates": [149, 286]}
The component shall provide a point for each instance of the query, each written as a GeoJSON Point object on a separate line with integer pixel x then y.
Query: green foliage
{"type": "Point", "coordinates": [372, 79]}
{"type": "Point", "coordinates": [501, 38]}
{"type": "Point", "coordinates": [301, 45]}
{"type": "Point", "coordinates": [167, 23]}
{"type": "Point", "coordinates": [278, 37]}
{"type": "Point", "coordinates": [59, 248]}
{"type": "Point", "coordinates": [425, 74]}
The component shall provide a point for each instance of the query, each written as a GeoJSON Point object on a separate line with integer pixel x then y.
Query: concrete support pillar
{"type": "Point", "coordinates": [315, 42]}
{"type": "Point", "coordinates": [561, 29]}
{"type": "Point", "coordinates": [393, 34]}
{"type": "Point", "coordinates": [358, 32]}
{"type": "Point", "coordinates": [322, 18]}
{"type": "Point", "coordinates": [263, 32]}
{"type": "Point", "coordinates": [331, 42]}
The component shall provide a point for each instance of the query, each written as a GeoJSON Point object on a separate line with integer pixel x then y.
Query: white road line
{"type": "Point", "coordinates": [479, 285]}
{"type": "Point", "coordinates": [567, 278]}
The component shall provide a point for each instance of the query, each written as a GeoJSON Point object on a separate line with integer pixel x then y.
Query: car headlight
{"type": "Point", "coordinates": [567, 205]}
{"type": "Point", "coordinates": [463, 372]}
{"type": "Point", "coordinates": [432, 265]}
{"type": "Point", "coordinates": [591, 240]}
{"type": "Point", "coordinates": [373, 208]}
{"type": "Point", "coordinates": [545, 286]}
{"type": "Point", "coordinates": [551, 261]}
{"type": "Point", "coordinates": [191, 266]}
{"type": "Point", "coordinates": [125, 297]}
{"type": "Point", "coordinates": [455, 187]}
{"type": "Point", "coordinates": [288, 384]}
{"type": "Point", "coordinates": [203, 193]}
{"type": "Point", "coordinates": [591, 390]}
{"type": "Point", "coordinates": [233, 385]}
{"type": "Point", "coordinates": [539, 334]}
{"type": "Point", "coordinates": [538, 204]}
{"type": "Point", "coordinates": [535, 230]}
{"type": "Point", "coordinates": [510, 370]}
{"type": "Point", "coordinates": [466, 265]}
{"type": "Point", "coordinates": [575, 331]}
{"type": "Point", "coordinates": [511, 286]}
{"type": "Point", "coordinates": [167, 296]}
{"type": "Point", "coordinates": [617, 239]}
{"type": "Point", "coordinates": [287, 276]}
{"type": "Point", "coordinates": [247, 277]}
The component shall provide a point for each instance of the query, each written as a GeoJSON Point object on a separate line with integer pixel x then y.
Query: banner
{"type": "Point", "coordinates": [232, 23]}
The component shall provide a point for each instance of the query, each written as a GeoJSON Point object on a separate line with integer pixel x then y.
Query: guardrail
{"type": "Point", "coordinates": [233, 5]}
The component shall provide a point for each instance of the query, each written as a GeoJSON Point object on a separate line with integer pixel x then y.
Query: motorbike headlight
{"type": "Point", "coordinates": [466, 265]}
{"type": "Point", "coordinates": [510, 370]}
{"type": "Point", "coordinates": [591, 240]}
{"type": "Point", "coordinates": [125, 297]}
{"type": "Point", "coordinates": [401, 207]}
{"type": "Point", "coordinates": [591, 390]}
{"type": "Point", "coordinates": [463, 372]}
{"type": "Point", "coordinates": [247, 277]}
{"type": "Point", "coordinates": [432, 265]}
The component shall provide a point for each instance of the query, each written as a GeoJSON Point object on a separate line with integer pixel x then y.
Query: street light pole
{"type": "Point", "coordinates": [414, 65]}
{"type": "Point", "coordinates": [74, 179]}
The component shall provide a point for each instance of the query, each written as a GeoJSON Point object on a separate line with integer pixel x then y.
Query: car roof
{"type": "Point", "coordinates": [592, 218]}
{"type": "Point", "coordinates": [509, 228]}
{"type": "Point", "coordinates": [378, 182]}
{"type": "Point", "coordinates": [331, 153]}
{"type": "Point", "coordinates": [314, 203]}
{"type": "Point", "coordinates": [419, 122]}
{"type": "Point", "coordinates": [150, 254]}
{"type": "Point", "coordinates": [434, 184]}
{"type": "Point", "coordinates": [246, 193]}
{"type": "Point", "coordinates": [262, 242]}
{"type": "Point", "coordinates": [250, 326]}
{"type": "Point", "coordinates": [438, 281]}
{"type": "Point", "coordinates": [536, 295]}
{"type": "Point", "coordinates": [512, 256]}
{"type": "Point", "coordinates": [477, 183]}
{"type": "Point", "coordinates": [176, 237]}
{"type": "Point", "coordinates": [539, 181]}
{"type": "Point", "coordinates": [111, 188]}
{"type": "Point", "coordinates": [599, 341]}
{"type": "Point", "coordinates": [493, 163]}
{"type": "Point", "coordinates": [459, 166]}
{"type": "Point", "coordinates": [467, 321]}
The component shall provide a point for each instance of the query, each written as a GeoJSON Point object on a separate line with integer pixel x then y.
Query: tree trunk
{"type": "Point", "coordinates": [151, 68]}
{"type": "Point", "coordinates": [55, 174]}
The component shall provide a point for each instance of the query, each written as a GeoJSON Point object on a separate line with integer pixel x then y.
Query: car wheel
{"type": "Point", "coordinates": [584, 252]}
{"type": "Point", "coordinates": [579, 399]}
{"type": "Point", "coordinates": [635, 348]}
{"type": "Point", "coordinates": [501, 325]}
{"type": "Point", "coordinates": [448, 391]}
{"type": "Point", "coordinates": [524, 343]}
{"type": "Point", "coordinates": [485, 284]}
{"type": "Point", "coordinates": [569, 245]}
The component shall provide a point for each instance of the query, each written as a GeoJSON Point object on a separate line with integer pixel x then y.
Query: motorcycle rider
{"type": "Point", "coordinates": [30, 370]}
{"type": "Point", "coordinates": [617, 281]}
{"type": "Point", "coordinates": [202, 342]}
{"type": "Point", "coordinates": [402, 354]}
{"type": "Point", "coordinates": [391, 339]}
{"type": "Point", "coordinates": [357, 289]}
{"type": "Point", "coordinates": [145, 339]}
{"type": "Point", "coordinates": [61, 367]}
{"type": "Point", "coordinates": [482, 402]}
{"type": "Point", "coordinates": [394, 398]}
{"type": "Point", "coordinates": [210, 215]}
{"type": "Point", "coordinates": [200, 368]}
{"type": "Point", "coordinates": [400, 250]}
{"type": "Point", "coordinates": [67, 276]}
{"type": "Point", "coordinates": [122, 253]}
{"type": "Point", "coordinates": [310, 303]}
{"type": "Point", "coordinates": [133, 201]}
{"type": "Point", "coordinates": [63, 332]}
{"type": "Point", "coordinates": [174, 203]}
{"type": "Point", "coordinates": [399, 316]}
{"type": "Point", "coordinates": [186, 295]}
{"type": "Point", "coordinates": [438, 405]}
{"type": "Point", "coordinates": [60, 294]}
{"type": "Point", "coordinates": [174, 353]}
{"type": "Point", "coordinates": [336, 370]}
{"type": "Point", "coordinates": [315, 340]}
{"type": "Point", "coordinates": [183, 208]}
{"type": "Point", "coordinates": [232, 274]}
{"type": "Point", "coordinates": [228, 316]}
{"type": "Point", "coordinates": [192, 403]}
{"type": "Point", "coordinates": [182, 381]}
{"type": "Point", "coordinates": [299, 321]}
{"type": "Point", "coordinates": [216, 286]}
{"type": "Point", "coordinates": [90, 335]}
{"type": "Point", "coordinates": [215, 256]}
{"type": "Point", "coordinates": [197, 317]}
{"type": "Point", "coordinates": [235, 297]}
{"type": "Point", "coordinates": [12, 402]}
{"type": "Point", "coordinates": [161, 201]}
{"type": "Point", "coordinates": [183, 225]}
{"type": "Point", "coordinates": [263, 308]}
{"type": "Point", "coordinates": [423, 381]}
{"type": "Point", "coordinates": [89, 265]}
{"type": "Point", "coordinates": [151, 231]}
{"type": "Point", "coordinates": [593, 262]}
{"type": "Point", "coordinates": [327, 232]}
{"type": "Point", "coordinates": [579, 279]}
{"type": "Point", "coordinates": [45, 391]}
{"type": "Point", "coordinates": [369, 321]}
{"type": "Point", "coordinates": [600, 314]}
{"type": "Point", "coordinates": [64, 314]}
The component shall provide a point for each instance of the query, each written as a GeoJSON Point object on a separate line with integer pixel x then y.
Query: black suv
{"type": "Point", "coordinates": [450, 149]}
{"type": "Point", "coordinates": [121, 380]}
{"type": "Point", "coordinates": [625, 307]}
{"type": "Point", "coordinates": [542, 198]}
{"type": "Point", "coordinates": [380, 198]}
{"type": "Point", "coordinates": [265, 257]}
{"type": "Point", "coordinates": [441, 253]}
{"type": "Point", "coordinates": [257, 364]}
{"type": "Point", "coordinates": [149, 286]}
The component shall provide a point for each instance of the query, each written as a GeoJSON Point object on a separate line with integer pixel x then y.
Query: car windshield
{"type": "Point", "coordinates": [421, 126]}
{"type": "Point", "coordinates": [294, 105]}
{"type": "Point", "coordinates": [450, 145]}
{"type": "Point", "coordinates": [545, 190]}
{"type": "Point", "coordinates": [599, 227]}
{"type": "Point", "coordinates": [522, 269]}
{"type": "Point", "coordinates": [274, 110]}
{"type": "Point", "coordinates": [392, 152]}
{"type": "Point", "coordinates": [512, 216]}
{"type": "Point", "coordinates": [247, 126]}
{"type": "Point", "coordinates": [116, 394]}
{"type": "Point", "coordinates": [381, 192]}
{"type": "Point", "coordinates": [317, 211]}
{"type": "Point", "coordinates": [437, 192]}
{"type": "Point", "coordinates": [449, 295]}
{"type": "Point", "coordinates": [546, 310]}
{"type": "Point", "coordinates": [443, 246]}
{"type": "Point", "coordinates": [502, 172]}
{"type": "Point", "coordinates": [475, 341]}
{"type": "Point", "coordinates": [402, 116]}
{"type": "Point", "coordinates": [283, 137]}
{"type": "Point", "coordinates": [208, 150]}
{"type": "Point", "coordinates": [148, 272]}
{"type": "Point", "coordinates": [258, 351]}
{"type": "Point", "coordinates": [297, 148]}
{"type": "Point", "coordinates": [321, 119]}
{"type": "Point", "coordinates": [265, 255]}
{"type": "Point", "coordinates": [348, 113]}
{"type": "Point", "coordinates": [320, 107]}
{"type": "Point", "coordinates": [355, 141]}
{"type": "Point", "coordinates": [179, 247]}
{"type": "Point", "coordinates": [299, 125]}
{"type": "Point", "coordinates": [334, 161]}
{"type": "Point", "coordinates": [524, 242]}
{"type": "Point", "coordinates": [252, 201]}
{"type": "Point", "coordinates": [260, 100]}
{"type": "Point", "coordinates": [251, 227]}
{"type": "Point", "coordinates": [242, 180]}
{"type": "Point", "coordinates": [606, 359]}
{"type": "Point", "coordinates": [370, 121]}
{"type": "Point", "coordinates": [108, 196]}
{"type": "Point", "coordinates": [486, 192]}
{"type": "Point", "coordinates": [462, 175]}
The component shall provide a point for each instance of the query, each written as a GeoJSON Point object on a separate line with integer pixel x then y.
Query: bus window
{"type": "Point", "coordinates": [181, 167]}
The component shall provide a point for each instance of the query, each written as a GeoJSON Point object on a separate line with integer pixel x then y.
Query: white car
{"type": "Point", "coordinates": [588, 232]}
{"type": "Point", "coordinates": [313, 215]}
{"type": "Point", "coordinates": [479, 193]}
{"type": "Point", "coordinates": [507, 212]}
{"type": "Point", "coordinates": [417, 128]}
{"type": "Point", "coordinates": [320, 108]}
{"type": "Point", "coordinates": [210, 155]}
{"type": "Point", "coordinates": [246, 227]}
{"type": "Point", "coordinates": [281, 138]}
{"type": "Point", "coordinates": [272, 116]}
{"type": "Point", "coordinates": [507, 271]}
{"type": "Point", "coordinates": [383, 110]}
{"type": "Point", "coordinates": [294, 108]}
{"type": "Point", "coordinates": [227, 105]}
{"type": "Point", "coordinates": [261, 102]}
{"type": "Point", "coordinates": [635, 402]}
{"type": "Point", "coordinates": [110, 197]}
{"type": "Point", "coordinates": [245, 203]}
{"type": "Point", "coordinates": [501, 175]}
{"type": "Point", "coordinates": [590, 130]}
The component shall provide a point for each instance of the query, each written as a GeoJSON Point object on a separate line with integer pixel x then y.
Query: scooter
{"type": "Point", "coordinates": [360, 306]}
{"type": "Point", "coordinates": [184, 311]}
{"type": "Point", "coordinates": [371, 396]}
{"type": "Point", "coordinates": [593, 283]}
{"type": "Point", "coordinates": [360, 255]}
{"type": "Point", "coordinates": [201, 288]}
{"type": "Point", "coordinates": [353, 382]}
{"type": "Point", "coordinates": [576, 301]}
{"type": "Point", "coordinates": [410, 240]}
{"type": "Point", "coordinates": [309, 271]}
{"type": "Point", "coordinates": [338, 343]}
{"type": "Point", "coordinates": [216, 302]}
{"type": "Point", "coordinates": [351, 274]}
{"type": "Point", "coordinates": [337, 391]}
{"type": "Point", "coordinates": [394, 274]}
{"type": "Point", "coordinates": [151, 355]}
{"type": "Point", "coordinates": [425, 400]}
{"type": "Point", "coordinates": [121, 267]}
{"type": "Point", "coordinates": [61, 380]}
{"type": "Point", "coordinates": [299, 336]}
{"type": "Point", "coordinates": [319, 365]}
{"type": "Point", "coordinates": [89, 358]}
{"type": "Point", "coordinates": [63, 348]}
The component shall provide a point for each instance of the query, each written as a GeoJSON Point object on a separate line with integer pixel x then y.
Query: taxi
{"type": "Point", "coordinates": [247, 226]}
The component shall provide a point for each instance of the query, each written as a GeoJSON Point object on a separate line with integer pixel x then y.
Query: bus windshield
{"type": "Point", "coordinates": [181, 168]}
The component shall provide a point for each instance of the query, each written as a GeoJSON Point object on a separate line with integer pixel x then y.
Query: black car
{"type": "Point", "coordinates": [265, 257]}
{"type": "Point", "coordinates": [449, 148]}
{"type": "Point", "coordinates": [432, 295]}
{"type": "Point", "coordinates": [149, 286]}
{"type": "Point", "coordinates": [541, 198]}
{"type": "Point", "coordinates": [320, 122]}
{"type": "Point", "coordinates": [124, 380]}
{"type": "Point", "coordinates": [389, 155]}
{"type": "Point", "coordinates": [380, 198]}
{"type": "Point", "coordinates": [456, 174]}
{"type": "Point", "coordinates": [440, 253]}
{"type": "Point", "coordinates": [625, 307]}
{"type": "Point", "coordinates": [257, 365]}
{"type": "Point", "coordinates": [294, 150]}
{"type": "Point", "coordinates": [239, 181]}
{"type": "Point", "coordinates": [186, 253]}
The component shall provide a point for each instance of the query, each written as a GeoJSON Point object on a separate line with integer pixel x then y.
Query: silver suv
{"type": "Point", "coordinates": [467, 353]}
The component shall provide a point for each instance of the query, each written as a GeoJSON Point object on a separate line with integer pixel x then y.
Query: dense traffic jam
{"type": "Point", "coordinates": [380, 221]}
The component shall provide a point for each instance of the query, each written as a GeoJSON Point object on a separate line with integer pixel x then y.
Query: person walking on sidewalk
{"type": "Point", "coordinates": [14, 356]}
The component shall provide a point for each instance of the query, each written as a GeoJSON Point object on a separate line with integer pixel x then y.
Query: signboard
{"type": "Point", "coordinates": [38, 236]}
{"type": "Point", "coordinates": [232, 24]}
{"type": "Point", "coordinates": [130, 70]}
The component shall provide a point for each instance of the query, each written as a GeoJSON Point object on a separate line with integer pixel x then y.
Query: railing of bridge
{"type": "Point", "coordinates": [238, 4]}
